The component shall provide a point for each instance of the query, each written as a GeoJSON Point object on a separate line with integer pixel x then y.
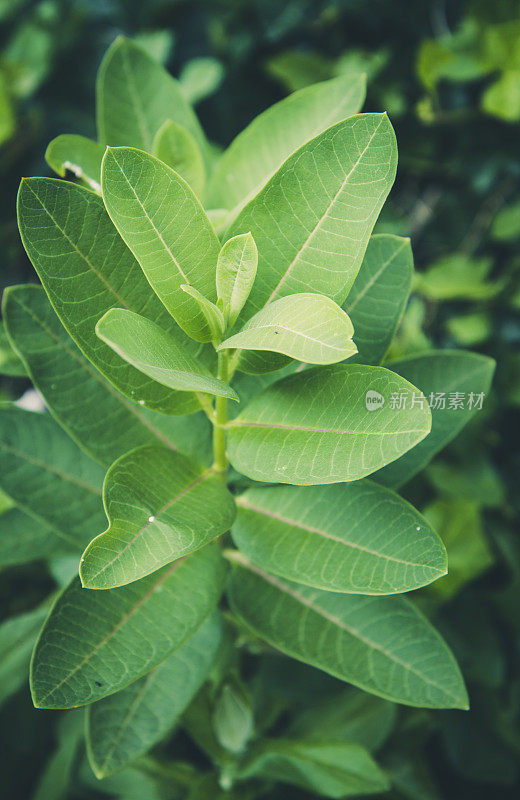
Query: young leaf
{"type": "Point", "coordinates": [100, 419]}
{"type": "Point", "coordinates": [455, 384]}
{"type": "Point", "coordinates": [356, 538]}
{"type": "Point", "coordinates": [308, 327]}
{"type": "Point", "coordinates": [151, 350]}
{"type": "Point", "coordinates": [95, 643]}
{"type": "Point", "coordinates": [17, 637]}
{"type": "Point", "coordinates": [165, 226]}
{"type": "Point", "coordinates": [328, 768]}
{"type": "Point", "coordinates": [49, 477]}
{"type": "Point", "coordinates": [277, 133]}
{"type": "Point", "coordinates": [328, 194]}
{"type": "Point", "coordinates": [376, 302]}
{"type": "Point", "coordinates": [236, 271]}
{"type": "Point", "coordinates": [320, 426]}
{"type": "Point", "coordinates": [79, 155]}
{"type": "Point", "coordinates": [233, 721]}
{"type": "Point", "coordinates": [86, 269]}
{"type": "Point", "coordinates": [125, 725]}
{"type": "Point", "coordinates": [160, 506]}
{"type": "Point", "coordinates": [135, 96]}
{"type": "Point", "coordinates": [175, 145]}
{"type": "Point", "coordinates": [23, 539]}
{"type": "Point", "coordinates": [384, 645]}
{"type": "Point", "coordinates": [212, 313]}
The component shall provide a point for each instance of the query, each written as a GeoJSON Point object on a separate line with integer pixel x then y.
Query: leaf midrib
{"type": "Point", "coordinates": [206, 474]}
{"type": "Point", "coordinates": [129, 614]}
{"type": "Point", "coordinates": [238, 423]}
{"type": "Point", "coordinates": [48, 468]}
{"type": "Point", "coordinates": [338, 622]}
{"type": "Point", "coordinates": [85, 364]}
{"type": "Point", "coordinates": [311, 235]}
{"type": "Point", "coordinates": [326, 535]}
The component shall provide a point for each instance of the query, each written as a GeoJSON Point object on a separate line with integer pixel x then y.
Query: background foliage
{"type": "Point", "coordinates": [449, 76]}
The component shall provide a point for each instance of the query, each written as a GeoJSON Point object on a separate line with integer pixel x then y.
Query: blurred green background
{"type": "Point", "coordinates": [448, 73]}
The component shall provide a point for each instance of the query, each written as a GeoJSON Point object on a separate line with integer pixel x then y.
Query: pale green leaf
{"type": "Point", "coordinates": [79, 155]}
{"type": "Point", "coordinates": [153, 351]}
{"type": "Point", "coordinates": [308, 327]}
{"type": "Point", "coordinates": [330, 769]}
{"type": "Point", "coordinates": [161, 506]}
{"type": "Point", "coordinates": [100, 419]}
{"type": "Point", "coordinates": [200, 77]}
{"type": "Point", "coordinates": [320, 426]}
{"type": "Point", "coordinates": [357, 537]}
{"type": "Point", "coordinates": [440, 375]}
{"type": "Point", "coordinates": [236, 271]}
{"type": "Point", "coordinates": [135, 96]}
{"type": "Point", "coordinates": [24, 539]}
{"type": "Point", "coordinates": [212, 313]}
{"type": "Point", "coordinates": [125, 725]}
{"type": "Point", "coordinates": [258, 362]}
{"type": "Point", "coordinates": [384, 645]}
{"type": "Point", "coordinates": [17, 637]}
{"type": "Point", "coordinates": [278, 132]}
{"type": "Point", "coordinates": [95, 643]}
{"type": "Point", "coordinates": [175, 145]}
{"type": "Point", "coordinates": [165, 226]}
{"type": "Point", "coordinates": [376, 302]}
{"type": "Point", "coordinates": [313, 219]}
{"type": "Point", "coordinates": [49, 477]}
{"type": "Point", "coordinates": [86, 269]}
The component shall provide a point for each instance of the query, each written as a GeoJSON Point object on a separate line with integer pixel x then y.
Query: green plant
{"type": "Point", "coordinates": [199, 385]}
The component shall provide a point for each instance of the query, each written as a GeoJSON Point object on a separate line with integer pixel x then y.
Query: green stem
{"type": "Point", "coordinates": [221, 463]}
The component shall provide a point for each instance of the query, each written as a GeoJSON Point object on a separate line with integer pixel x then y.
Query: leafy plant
{"type": "Point", "coordinates": [208, 339]}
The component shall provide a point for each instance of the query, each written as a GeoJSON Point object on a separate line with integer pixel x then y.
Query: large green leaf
{"type": "Point", "coordinates": [135, 96]}
{"type": "Point", "coordinates": [312, 221]}
{"type": "Point", "coordinates": [95, 643]}
{"type": "Point", "coordinates": [440, 375]}
{"type": "Point", "coordinates": [319, 426]}
{"type": "Point", "coordinates": [384, 645]}
{"type": "Point", "coordinates": [328, 768]}
{"type": "Point", "coordinates": [308, 327]}
{"type": "Point", "coordinates": [160, 506]}
{"type": "Point", "coordinates": [48, 476]}
{"type": "Point", "coordinates": [103, 422]}
{"type": "Point", "coordinates": [17, 637]}
{"type": "Point", "coordinates": [175, 145]}
{"type": "Point", "coordinates": [125, 725]}
{"type": "Point", "coordinates": [151, 350]}
{"type": "Point", "coordinates": [377, 299]}
{"type": "Point", "coordinates": [257, 152]}
{"type": "Point", "coordinates": [86, 269]}
{"type": "Point", "coordinates": [23, 539]}
{"type": "Point", "coordinates": [165, 226]}
{"type": "Point", "coordinates": [79, 155]}
{"type": "Point", "coordinates": [355, 537]}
